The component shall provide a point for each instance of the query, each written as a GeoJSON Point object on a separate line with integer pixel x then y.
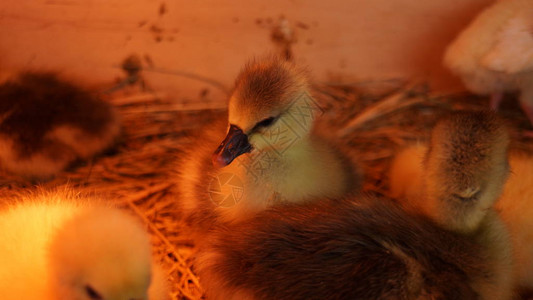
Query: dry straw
{"type": "Point", "coordinates": [371, 121]}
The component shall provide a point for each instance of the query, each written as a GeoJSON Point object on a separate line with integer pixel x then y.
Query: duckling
{"type": "Point", "coordinates": [270, 154]}
{"type": "Point", "coordinates": [514, 205]}
{"type": "Point", "coordinates": [466, 162]}
{"type": "Point", "coordinates": [59, 245]}
{"type": "Point", "coordinates": [369, 247]}
{"type": "Point", "coordinates": [46, 123]}
{"type": "Point", "coordinates": [493, 55]}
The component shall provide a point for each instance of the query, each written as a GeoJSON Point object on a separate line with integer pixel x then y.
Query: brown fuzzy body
{"type": "Point", "coordinates": [46, 123]}
{"type": "Point", "coordinates": [264, 84]}
{"type": "Point", "coordinates": [36, 103]}
{"type": "Point", "coordinates": [194, 173]}
{"type": "Point", "coordinates": [364, 248]}
{"type": "Point", "coordinates": [466, 167]}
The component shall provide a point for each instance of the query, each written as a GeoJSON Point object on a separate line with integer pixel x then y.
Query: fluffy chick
{"type": "Point", "coordinates": [494, 54]}
{"type": "Point", "coordinates": [465, 169]}
{"type": "Point", "coordinates": [407, 176]}
{"type": "Point", "coordinates": [46, 123]}
{"type": "Point", "coordinates": [514, 206]}
{"type": "Point", "coordinates": [270, 154]}
{"type": "Point", "coordinates": [368, 247]}
{"type": "Point", "coordinates": [56, 245]}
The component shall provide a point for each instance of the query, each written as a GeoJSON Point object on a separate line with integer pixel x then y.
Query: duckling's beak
{"type": "Point", "coordinates": [235, 144]}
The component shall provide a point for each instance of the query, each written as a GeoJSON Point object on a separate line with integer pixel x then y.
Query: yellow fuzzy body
{"type": "Point", "coordinates": [56, 244]}
{"type": "Point", "coordinates": [25, 235]}
{"type": "Point", "coordinates": [516, 208]}
{"type": "Point", "coordinates": [306, 171]}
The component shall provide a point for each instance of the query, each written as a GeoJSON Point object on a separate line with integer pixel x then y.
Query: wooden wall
{"type": "Point", "coordinates": [347, 40]}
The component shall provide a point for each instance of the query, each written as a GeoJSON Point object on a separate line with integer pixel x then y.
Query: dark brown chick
{"type": "Point", "coordinates": [46, 123]}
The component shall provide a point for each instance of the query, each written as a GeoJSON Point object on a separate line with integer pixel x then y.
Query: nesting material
{"type": "Point", "coordinates": [46, 123]}
{"type": "Point", "coordinates": [58, 245]}
{"type": "Point", "coordinates": [137, 177]}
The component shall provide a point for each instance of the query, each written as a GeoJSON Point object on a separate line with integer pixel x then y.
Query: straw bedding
{"type": "Point", "coordinates": [373, 120]}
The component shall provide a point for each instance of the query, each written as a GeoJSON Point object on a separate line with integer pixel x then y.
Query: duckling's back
{"type": "Point", "coordinates": [363, 249]}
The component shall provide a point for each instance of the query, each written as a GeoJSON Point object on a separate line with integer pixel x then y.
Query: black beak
{"type": "Point", "coordinates": [235, 144]}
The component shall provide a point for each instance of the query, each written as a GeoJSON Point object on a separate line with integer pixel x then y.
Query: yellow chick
{"type": "Point", "coordinates": [46, 123]}
{"type": "Point", "coordinates": [406, 176]}
{"type": "Point", "coordinates": [494, 54]}
{"type": "Point", "coordinates": [270, 154]}
{"type": "Point", "coordinates": [57, 245]}
{"type": "Point", "coordinates": [368, 247]}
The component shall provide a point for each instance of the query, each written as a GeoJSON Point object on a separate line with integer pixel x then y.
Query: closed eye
{"type": "Point", "coordinates": [264, 123]}
{"type": "Point", "coordinates": [469, 198]}
{"type": "Point", "coordinates": [92, 293]}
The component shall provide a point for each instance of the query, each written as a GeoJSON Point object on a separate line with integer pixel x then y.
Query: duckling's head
{"type": "Point", "coordinates": [466, 168]}
{"type": "Point", "coordinates": [270, 109]}
{"type": "Point", "coordinates": [101, 254]}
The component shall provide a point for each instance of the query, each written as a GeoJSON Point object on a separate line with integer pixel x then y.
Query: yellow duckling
{"type": "Point", "coordinates": [368, 247]}
{"type": "Point", "coordinates": [46, 123]}
{"type": "Point", "coordinates": [270, 154]}
{"type": "Point", "coordinates": [57, 245]}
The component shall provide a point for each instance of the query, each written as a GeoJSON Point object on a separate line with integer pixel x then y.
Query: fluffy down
{"type": "Point", "coordinates": [46, 123]}
{"type": "Point", "coordinates": [494, 54]}
{"type": "Point", "coordinates": [268, 152]}
{"type": "Point", "coordinates": [369, 247]}
{"type": "Point", "coordinates": [362, 248]}
{"type": "Point", "coordinates": [515, 205]}
{"type": "Point", "coordinates": [57, 245]}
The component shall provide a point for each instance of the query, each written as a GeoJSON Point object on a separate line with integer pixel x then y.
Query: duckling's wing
{"type": "Point", "coordinates": [512, 51]}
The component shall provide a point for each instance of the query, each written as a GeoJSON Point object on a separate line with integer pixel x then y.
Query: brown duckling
{"type": "Point", "coordinates": [46, 123]}
{"type": "Point", "coordinates": [270, 154]}
{"type": "Point", "coordinates": [515, 205]}
{"type": "Point", "coordinates": [368, 246]}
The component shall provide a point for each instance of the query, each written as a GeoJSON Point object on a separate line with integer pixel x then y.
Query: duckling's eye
{"type": "Point", "coordinates": [265, 123]}
{"type": "Point", "coordinates": [92, 293]}
{"type": "Point", "coordinates": [469, 198]}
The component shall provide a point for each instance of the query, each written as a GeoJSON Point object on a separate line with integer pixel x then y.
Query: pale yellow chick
{"type": "Point", "coordinates": [494, 54]}
{"type": "Point", "coordinates": [56, 245]}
